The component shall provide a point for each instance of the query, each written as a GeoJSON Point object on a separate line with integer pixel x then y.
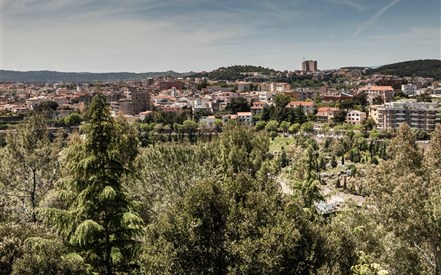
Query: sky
{"type": "Point", "coordinates": [202, 35]}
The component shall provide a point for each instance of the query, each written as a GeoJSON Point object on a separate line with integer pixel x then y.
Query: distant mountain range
{"type": "Point", "coordinates": [52, 76]}
{"type": "Point", "coordinates": [424, 68]}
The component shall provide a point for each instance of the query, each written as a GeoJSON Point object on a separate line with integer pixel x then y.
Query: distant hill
{"type": "Point", "coordinates": [52, 76]}
{"type": "Point", "coordinates": [424, 68]}
{"type": "Point", "coordinates": [234, 72]}
{"type": "Point", "coordinates": [353, 68]}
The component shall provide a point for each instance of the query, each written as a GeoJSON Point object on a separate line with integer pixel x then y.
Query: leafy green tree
{"type": "Point", "coordinates": [299, 116]}
{"type": "Point", "coordinates": [243, 150]}
{"type": "Point", "coordinates": [94, 213]}
{"type": "Point", "coordinates": [365, 266]}
{"type": "Point", "coordinates": [360, 99]}
{"type": "Point", "coordinates": [48, 105]}
{"type": "Point", "coordinates": [284, 126]}
{"type": "Point", "coordinates": [232, 227]}
{"type": "Point", "coordinates": [28, 168]}
{"type": "Point", "coordinates": [272, 125]}
{"type": "Point", "coordinates": [282, 100]}
{"type": "Point", "coordinates": [340, 116]}
{"type": "Point", "coordinates": [404, 150]}
{"type": "Point", "coordinates": [238, 104]}
{"type": "Point", "coordinates": [294, 128]}
{"type": "Point", "coordinates": [166, 173]}
{"type": "Point", "coordinates": [191, 235]}
{"type": "Point", "coordinates": [190, 128]}
{"type": "Point", "coordinates": [307, 127]}
{"type": "Point", "coordinates": [43, 256]}
{"type": "Point", "coordinates": [73, 119]}
{"type": "Point", "coordinates": [260, 125]}
{"type": "Point", "coordinates": [401, 192]}
{"type": "Point", "coordinates": [218, 124]}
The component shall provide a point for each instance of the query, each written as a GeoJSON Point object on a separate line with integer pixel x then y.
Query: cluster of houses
{"type": "Point", "coordinates": [138, 99]}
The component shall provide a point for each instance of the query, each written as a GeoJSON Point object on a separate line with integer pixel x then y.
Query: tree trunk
{"type": "Point", "coordinates": [108, 247]}
{"type": "Point", "coordinates": [437, 260]}
{"type": "Point", "coordinates": [33, 196]}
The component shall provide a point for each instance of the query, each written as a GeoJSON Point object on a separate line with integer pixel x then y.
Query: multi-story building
{"type": "Point", "coordinates": [304, 94]}
{"type": "Point", "coordinates": [373, 112]}
{"type": "Point", "coordinates": [409, 89]}
{"type": "Point", "coordinates": [326, 113]}
{"type": "Point", "coordinates": [123, 106]}
{"type": "Point", "coordinates": [385, 92]}
{"type": "Point", "coordinates": [257, 107]}
{"type": "Point", "coordinates": [243, 86]}
{"type": "Point", "coordinates": [419, 115]}
{"type": "Point", "coordinates": [245, 118]}
{"type": "Point", "coordinates": [132, 103]}
{"type": "Point", "coordinates": [355, 117]}
{"type": "Point", "coordinates": [309, 66]}
{"type": "Point", "coordinates": [307, 106]}
{"type": "Point", "coordinates": [139, 99]}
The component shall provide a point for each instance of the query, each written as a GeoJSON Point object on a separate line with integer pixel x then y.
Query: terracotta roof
{"type": "Point", "coordinates": [301, 103]}
{"type": "Point", "coordinates": [325, 109]}
{"type": "Point", "coordinates": [244, 113]}
{"type": "Point", "coordinates": [377, 88]}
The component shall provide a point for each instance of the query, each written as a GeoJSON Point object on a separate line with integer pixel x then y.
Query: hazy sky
{"type": "Point", "coordinates": [184, 35]}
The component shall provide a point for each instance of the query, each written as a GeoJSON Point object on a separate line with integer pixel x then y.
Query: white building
{"type": "Point", "coordinates": [355, 117]}
{"type": "Point", "coordinates": [419, 115]}
{"type": "Point", "coordinates": [385, 92]}
{"type": "Point", "coordinates": [307, 106]}
{"type": "Point", "coordinates": [409, 89]}
{"type": "Point", "coordinates": [245, 118]}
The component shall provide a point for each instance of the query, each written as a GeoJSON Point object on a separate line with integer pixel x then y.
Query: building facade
{"type": "Point", "coordinates": [419, 115]}
{"type": "Point", "coordinates": [355, 117]}
{"type": "Point", "coordinates": [309, 66]}
{"type": "Point", "coordinates": [409, 89]}
{"type": "Point", "coordinates": [307, 106]}
{"type": "Point", "coordinates": [385, 92]}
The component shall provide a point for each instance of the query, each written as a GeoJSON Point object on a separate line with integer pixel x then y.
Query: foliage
{"type": "Point", "coordinates": [95, 215]}
{"type": "Point", "coordinates": [234, 72]}
{"type": "Point", "coordinates": [238, 104]}
{"type": "Point", "coordinates": [165, 173]}
{"type": "Point", "coordinates": [43, 256]}
{"type": "Point", "coordinates": [47, 106]}
{"type": "Point", "coordinates": [424, 68]}
{"type": "Point", "coordinates": [307, 127]}
{"type": "Point", "coordinates": [73, 119]}
{"type": "Point", "coordinates": [28, 167]}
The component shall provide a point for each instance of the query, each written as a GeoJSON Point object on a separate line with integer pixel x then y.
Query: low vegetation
{"type": "Point", "coordinates": [99, 203]}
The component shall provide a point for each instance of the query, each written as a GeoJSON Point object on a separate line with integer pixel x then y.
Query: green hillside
{"type": "Point", "coordinates": [424, 68]}
{"type": "Point", "coordinates": [234, 72]}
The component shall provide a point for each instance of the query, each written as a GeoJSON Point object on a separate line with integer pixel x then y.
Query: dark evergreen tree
{"type": "Point", "coordinates": [94, 214]}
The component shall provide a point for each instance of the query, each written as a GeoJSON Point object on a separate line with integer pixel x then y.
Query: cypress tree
{"type": "Point", "coordinates": [97, 218]}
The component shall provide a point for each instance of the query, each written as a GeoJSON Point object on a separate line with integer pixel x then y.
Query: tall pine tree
{"type": "Point", "coordinates": [97, 218]}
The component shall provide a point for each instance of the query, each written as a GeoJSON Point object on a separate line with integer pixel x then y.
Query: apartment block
{"type": "Point", "coordinates": [307, 106]}
{"type": "Point", "coordinates": [419, 115]}
{"type": "Point", "coordinates": [309, 66]}
{"type": "Point", "coordinates": [355, 117]}
{"type": "Point", "coordinates": [385, 92]}
{"type": "Point", "coordinates": [304, 94]}
{"type": "Point", "coordinates": [245, 118]}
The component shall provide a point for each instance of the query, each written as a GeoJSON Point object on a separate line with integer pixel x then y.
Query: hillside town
{"type": "Point", "coordinates": [344, 96]}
